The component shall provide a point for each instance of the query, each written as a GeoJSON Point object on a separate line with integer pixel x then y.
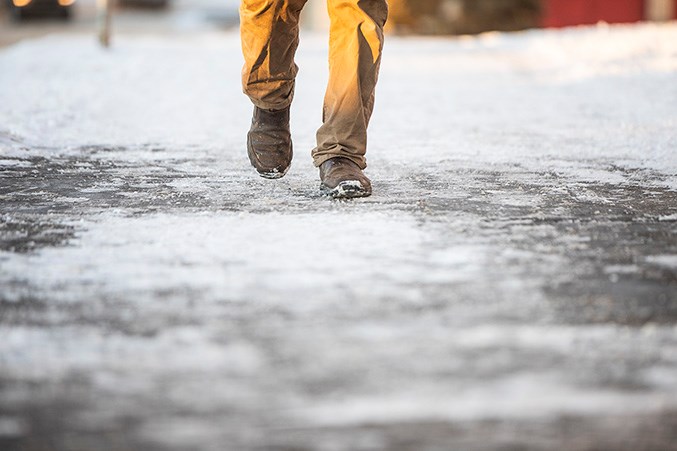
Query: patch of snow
{"type": "Point", "coordinates": [216, 252]}
{"type": "Point", "coordinates": [542, 397]}
{"type": "Point", "coordinates": [621, 269]}
{"type": "Point", "coordinates": [668, 217]}
{"type": "Point", "coordinates": [15, 163]}
{"type": "Point", "coordinates": [669, 261]}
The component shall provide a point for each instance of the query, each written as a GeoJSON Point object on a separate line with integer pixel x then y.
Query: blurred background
{"type": "Point", "coordinates": [475, 16]}
{"type": "Point", "coordinates": [20, 19]}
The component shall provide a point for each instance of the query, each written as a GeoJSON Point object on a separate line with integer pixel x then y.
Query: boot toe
{"type": "Point", "coordinates": [343, 179]}
{"type": "Point", "coordinates": [271, 163]}
{"type": "Point", "coordinates": [347, 190]}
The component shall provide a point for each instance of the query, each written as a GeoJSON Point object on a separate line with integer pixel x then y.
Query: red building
{"type": "Point", "coordinates": [562, 13]}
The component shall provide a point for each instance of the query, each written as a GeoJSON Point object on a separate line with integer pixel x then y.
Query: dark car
{"type": "Point", "coordinates": [22, 9]}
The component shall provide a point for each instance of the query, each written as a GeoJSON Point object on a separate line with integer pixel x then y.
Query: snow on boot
{"type": "Point", "coordinates": [342, 179]}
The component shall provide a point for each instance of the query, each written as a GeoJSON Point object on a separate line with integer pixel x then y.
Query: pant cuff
{"type": "Point", "coordinates": [357, 159]}
{"type": "Point", "coordinates": [271, 106]}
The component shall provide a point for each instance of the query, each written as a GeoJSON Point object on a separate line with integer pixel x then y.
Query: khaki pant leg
{"type": "Point", "coordinates": [356, 42]}
{"type": "Point", "coordinates": [269, 30]}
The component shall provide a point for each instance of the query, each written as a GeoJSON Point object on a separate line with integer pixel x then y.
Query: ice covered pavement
{"type": "Point", "coordinates": [512, 283]}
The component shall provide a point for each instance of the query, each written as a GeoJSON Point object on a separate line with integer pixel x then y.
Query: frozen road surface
{"type": "Point", "coordinates": [512, 283]}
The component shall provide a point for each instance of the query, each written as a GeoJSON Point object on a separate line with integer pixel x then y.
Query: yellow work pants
{"type": "Point", "coordinates": [270, 36]}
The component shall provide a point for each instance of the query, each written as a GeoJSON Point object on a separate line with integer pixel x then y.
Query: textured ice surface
{"type": "Point", "coordinates": [511, 280]}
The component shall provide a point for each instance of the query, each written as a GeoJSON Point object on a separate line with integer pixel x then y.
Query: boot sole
{"type": "Point", "coordinates": [273, 175]}
{"type": "Point", "coordinates": [349, 189]}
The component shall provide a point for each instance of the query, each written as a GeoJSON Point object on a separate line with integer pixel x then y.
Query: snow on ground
{"type": "Point", "coordinates": [604, 93]}
{"type": "Point", "coordinates": [511, 279]}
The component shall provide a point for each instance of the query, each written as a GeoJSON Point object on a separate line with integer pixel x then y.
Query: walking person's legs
{"type": "Point", "coordinates": [356, 41]}
{"type": "Point", "coordinates": [269, 40]}
{"type": "Point", "coordinates": [269, 31]}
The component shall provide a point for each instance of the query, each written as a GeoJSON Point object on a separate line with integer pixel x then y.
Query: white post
{"type": "Point", "coordinates": [103, 15]}
{"type": "Point", "coordinates": [660, 10]}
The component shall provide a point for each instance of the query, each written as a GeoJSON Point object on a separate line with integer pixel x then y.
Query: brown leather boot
{"type": "Point", "coordinates": [342, 178]}
{"type": "Point", "coordinates": [269, 143]}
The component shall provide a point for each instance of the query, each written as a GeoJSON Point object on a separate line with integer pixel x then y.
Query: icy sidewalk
{"type": "Point", "coordinates": [512, 282]}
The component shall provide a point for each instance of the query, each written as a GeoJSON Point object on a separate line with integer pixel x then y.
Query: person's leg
{"type": "Point", "coordinates": [270, 35]}
{"type": "Point", "coordinates": [356, 41]}
{"type": "Point", "coordinates": [269, 31]}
